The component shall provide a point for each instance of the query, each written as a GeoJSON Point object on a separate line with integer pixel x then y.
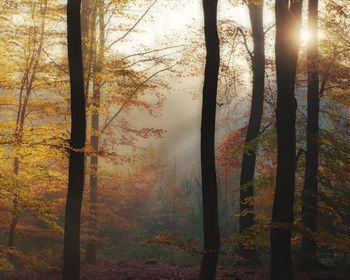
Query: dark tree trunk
{"type": "Point", "coordinates": [12, 230]}
{"type": "Point", "coordinates": [288, 16]}
{"type": "Point", "coordinates": [249, 157]}
{"type": "Point", "coordinates": [208, 170]}
{"type": "Point", "coordinates": [91, 254]}
{"type": "Point", "coordinates": [310, 191]}
{"type": "Point", "coordinates": [71, 254]}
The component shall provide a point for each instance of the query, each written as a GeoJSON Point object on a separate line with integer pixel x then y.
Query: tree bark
{"type": "Point", "coordinates": [246, 221]}
{"type": "Point", "coordinates": [208, 170]}
{"type": "Point", "coordinates": [71, 254]}
{"type": "Point", "coordinates": [288, 17]}
{"type": "Point", "coordinates": [310, 191]}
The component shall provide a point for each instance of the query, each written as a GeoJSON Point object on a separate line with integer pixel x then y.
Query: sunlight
{"type": "Point", "coordinates": [304, 35]}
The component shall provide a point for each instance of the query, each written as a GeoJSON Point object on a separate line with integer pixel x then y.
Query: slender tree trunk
{"type": "Point", "coordinates": [310, 191]}
{"type": "Point", "coordinates": [86, 7]}
{"type": "Point", "coordinates": [91, 253]}
{"type": "Point", "coordinates": [246, 221]}
{"type": "Point", "coordinates": [208, 169]}
{"type": "Point", "coordinates": [27, 83]}
{"type": "Point", "coordinates": [174, 196]}
{"type": "Point", "coordinates": [71, 254]}
{"type": "Point", "coordinates": [88, 33]}
{"type": "Point", "coordinates": [88, 36]}
{"type": "Point", "coordinates": [288, 16]}
{"type": "Point", "coordinates": [14, 220]}
{"type": "Point", "coordinates": [18, 132]}
{"type": "Point", "coordinates": [12, 230]}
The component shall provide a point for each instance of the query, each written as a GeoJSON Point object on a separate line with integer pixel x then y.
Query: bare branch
{"type": "Point", "coordinates": [152, 51]}
{"type": "Point", "coordinates": [133, 27]}
{"type": "Point", "coordinates": [266, 127]}
{"type": "Point", "coordinates": [269, 28]}
{"type": "Point", "coordinates": [132, 95]}
{"type": "Point", "coordinates": [245, 43]}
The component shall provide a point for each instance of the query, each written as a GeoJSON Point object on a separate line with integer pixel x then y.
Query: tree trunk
{"type": "Point", "coordinates": [19, 131]}
{"type": "Point", "coordinates": [174, 196]}
{"type": "Point", "coordinates": [14, 220]}
{"type": "Point", "coordinates": [288, 16]}
{"type": "Point", "coordinates": [86, 7]}
{"type": "Point", "coordinates": [27, 83]}
{"type": "Point", "coordinates": [88, 31]}
{"type": "Point", "coordinates": [208, 170]}
{"type": "Point", "coordinates": [88, 27]}
{"type": "Point", "coordinates": [246, 221]}
{"type": "Point", "coordinates": [91, 254]}
{"type": "Point", "coordinates": [310, 191]}
{"type": "Point", "coordinates": [71, 254]}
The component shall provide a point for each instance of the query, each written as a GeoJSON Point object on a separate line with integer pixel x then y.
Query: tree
{"type": "Point", "coordinates": [98, 60]}
{"type": "Point", "coordinates": [27, 81]}
{"type": "Point", "coordinates": [208, 169]}
{"type": "Point", "coordinates": [246, 219]}
{"type": "Point", "coordinates": [288, 17]}
{"type": "Point", "coordinates": [310, 191]}
{"type": "Point", "coordinates": [31, 160]}
{"type": "Point", "coordinates": [108, 73]}
{"type": "Point", "coordinates": [71, 254]}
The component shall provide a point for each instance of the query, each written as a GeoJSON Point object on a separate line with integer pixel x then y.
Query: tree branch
{"type": "Point", "coordinates": [131, 95]}
{"type": "Point", "coordinates": [245, 43]}
{"type": "Point", "coordinates": [133, 27]}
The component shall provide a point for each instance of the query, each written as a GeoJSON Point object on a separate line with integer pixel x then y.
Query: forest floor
{"type": "Point", "coordinates": [154, 271]}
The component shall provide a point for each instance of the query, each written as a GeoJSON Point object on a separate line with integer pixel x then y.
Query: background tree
{"type": "Point", "coordinates": [288, 17]}
{"type": "Point", "coordinates": [310, 191]}
{"type": "Point", "coordinates": [98, 60]}
{"type": "Point", "coordinates": [107, 73]}
{"type": "Point", "coordinates": [26, 88]}
{"type": "Point", "coordinates": [208, 169]}
{"type": "Point", "coordinates": [246, 219]}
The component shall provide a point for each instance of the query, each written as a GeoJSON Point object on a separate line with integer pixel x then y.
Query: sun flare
{"type": "Point", "coordinates": [304, 36]}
